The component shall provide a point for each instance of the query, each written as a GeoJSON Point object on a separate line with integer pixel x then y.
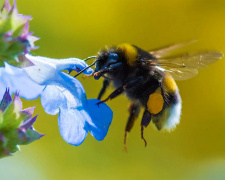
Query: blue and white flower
{"type": "Point", "coordinates": [41, 76]}
{"type": "Point", "coordinates": [65, 95]}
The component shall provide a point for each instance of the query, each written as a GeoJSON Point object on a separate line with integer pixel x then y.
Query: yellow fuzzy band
{"type": "Point", "coordinates": [169, 83]}
{"type": "Point", "coordinates": [130, 53]}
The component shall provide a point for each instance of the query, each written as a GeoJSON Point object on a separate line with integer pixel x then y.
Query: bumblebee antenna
{"type": "Point", "coordinates": [90, 57]}
{"type": "Point", "coordinates": [86, 67]}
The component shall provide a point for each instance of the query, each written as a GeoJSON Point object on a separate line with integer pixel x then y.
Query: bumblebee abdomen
{"type": "Point", "coordinates": [165, 104]}
{"type": "Point", "coordinates": [169, 116]}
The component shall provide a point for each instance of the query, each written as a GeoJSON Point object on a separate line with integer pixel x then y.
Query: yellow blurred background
{"type": "Point", "coordinates": [72, 28]}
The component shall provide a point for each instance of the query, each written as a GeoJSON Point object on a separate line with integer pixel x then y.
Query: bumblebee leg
{"type": "Point", "coordinates": [142, 135]}
{"type": "Point", "coordinates": [134, 111]}
{"type": "Point", "coordinates": [111, 68]}
{"type": "Point", "coordinates": [114, 94]}
{"type": "Point", "coordinates": [106, 83]}
{"type": "Point", "coordinates": [129, 85]}
{"type": "Point", "coordinates": [144, 123]}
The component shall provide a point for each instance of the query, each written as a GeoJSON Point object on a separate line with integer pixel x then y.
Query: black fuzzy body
{"type": "Point", "coordinates": [151, 77]}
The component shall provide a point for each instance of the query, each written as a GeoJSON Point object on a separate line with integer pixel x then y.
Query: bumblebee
{"type": "Point", "coordinates": [148, 80]}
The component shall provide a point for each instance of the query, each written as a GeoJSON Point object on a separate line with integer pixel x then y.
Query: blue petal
{"type": "Point", "coordinates": [101, 118]}
{"type": "Point", "coordinates": [72, 125]}
{"type": "Point", "coordinates": [17, 81]}
{"type": "Point", "coordinates": [77, 65]}
{"type": "Point", "coordinates": [73, 86]}
{"type": "Point", "coordinates": [52, 99]}
{"type": "Point", "coordinates": [67, 92]}
{"type": "Point", "coordinates": [77, 115]}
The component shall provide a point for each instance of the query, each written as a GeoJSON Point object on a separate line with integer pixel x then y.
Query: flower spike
{"type": "Point", "coordinates": [15, 38]}
{"type": "Point", "coordinates": [16, 125]}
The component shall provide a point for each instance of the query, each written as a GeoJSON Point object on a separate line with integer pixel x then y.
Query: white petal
{"type": "Point", "coordinates": [17, 81]}
{"type": "Point", "coordinates": [46, 69]}
{"type": "Point", "coordinates": [42, 71]}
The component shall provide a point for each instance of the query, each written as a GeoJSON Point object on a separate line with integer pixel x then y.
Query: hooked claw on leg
{"type": "Point", "coordinates": [142, 135]}
{"type": "Point", "coordinates": [100, 102]}
{"type": "Point", "coordinates": [87, 76]}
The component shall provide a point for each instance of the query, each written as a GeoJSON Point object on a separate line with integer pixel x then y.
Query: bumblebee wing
{"type": "Point", "coordinates": [180, 73]}
{"type": "Point", "coordinates": [183, 67]}
{"type": "Point", "coordinates": [161, 52]}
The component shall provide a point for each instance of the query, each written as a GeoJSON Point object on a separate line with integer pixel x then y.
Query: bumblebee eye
{"type": "Point", "coordinates": [97, 66]}
{"type": "Point", "coordinates": [113, 56]}
{"type": "Point", "coordinates": [112, 59]}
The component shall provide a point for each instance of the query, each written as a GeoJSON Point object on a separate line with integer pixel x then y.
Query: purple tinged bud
{"type": "Point", "coordinates": [26, 29]}
{"type": "Point", "coordinates": [14, 7]}
{"type": "Point", "coordinates": [28, 112]}
{"type": "Point", "coordinates": [15, 41]}
{"type": "Point", "coordinates": [2, 139]}
{"type": "Point", "coordinates": [8, 36]}
{"type": "Point", "coordinates": [27, 124]}
{"type": "Point", "coordinates": [5, 101]}
{"type": "Point", "coordinates": [17, 103]}
{"type": "Point", "coordinates": [6, 6]}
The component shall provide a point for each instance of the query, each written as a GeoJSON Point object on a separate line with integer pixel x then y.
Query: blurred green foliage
{"type": "Point", "coordinates": [71, 28]}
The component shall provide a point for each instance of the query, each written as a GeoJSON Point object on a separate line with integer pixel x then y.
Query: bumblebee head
{"type": "Point", "coordinates": [104, 60]}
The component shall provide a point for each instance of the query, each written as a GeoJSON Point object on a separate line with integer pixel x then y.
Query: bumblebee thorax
{"type": "Point", "coordinates": [130, 53]}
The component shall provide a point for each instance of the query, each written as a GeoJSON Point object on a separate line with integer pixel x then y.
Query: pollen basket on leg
{"type": "Point", "coordinates": [155, 103]}
{"type": "Point", "coordinates": [130, 53]}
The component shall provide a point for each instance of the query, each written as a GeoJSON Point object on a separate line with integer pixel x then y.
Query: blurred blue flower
{"type": "Point", "coordinates": [65, 95]}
